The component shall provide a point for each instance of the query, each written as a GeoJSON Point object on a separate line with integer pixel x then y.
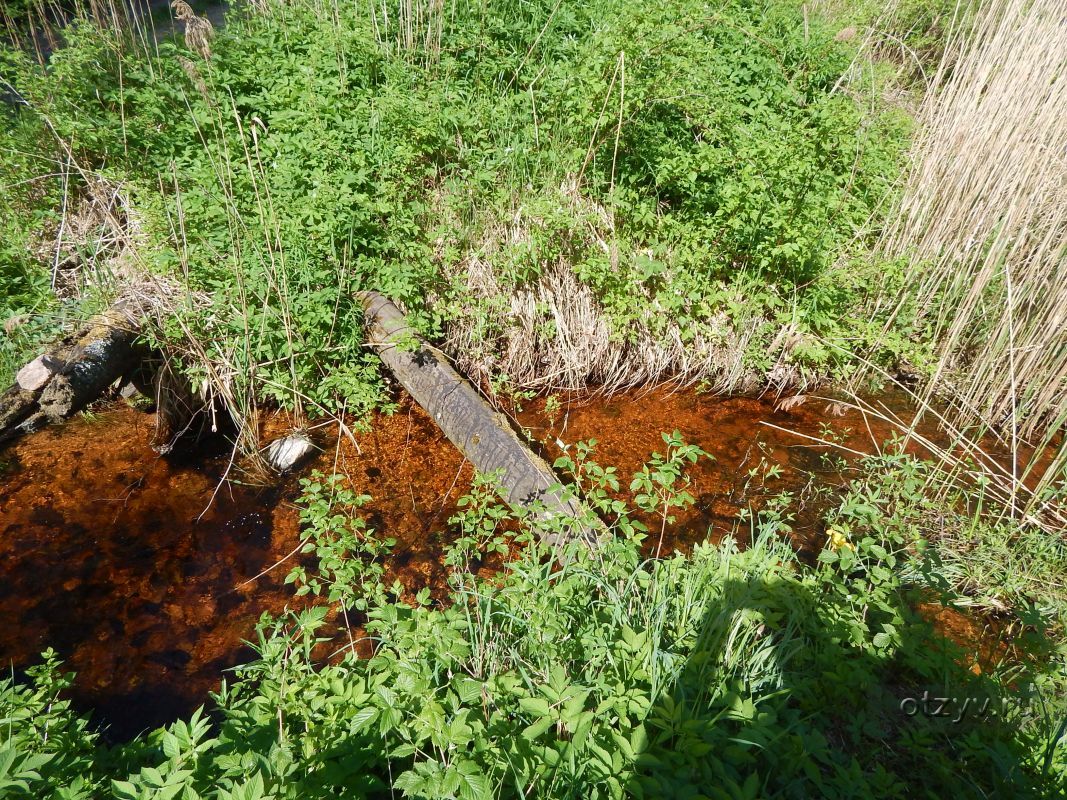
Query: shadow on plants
{"type": "Point", "coordinates": [776, 700]}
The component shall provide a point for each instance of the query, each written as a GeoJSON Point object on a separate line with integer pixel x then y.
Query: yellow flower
{"type": "Point", "coordinates": [839, 539]}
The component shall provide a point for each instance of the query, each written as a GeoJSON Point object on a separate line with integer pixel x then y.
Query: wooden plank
{"type": "Point", "coordinates": [484, 436]}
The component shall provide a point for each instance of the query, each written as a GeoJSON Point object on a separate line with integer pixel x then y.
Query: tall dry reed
{"type": "Point", "coordinates": [40, 29]}
{"type": "Point", "coordinates": [983, 221]}
{"type": "Point", "coordinates": [411, 26]}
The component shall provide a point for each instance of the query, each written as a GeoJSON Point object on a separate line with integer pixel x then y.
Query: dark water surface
{"type": "Point", "coordinates": [141, 570]}
{"type": "Point", "coordinates": [119, 560]}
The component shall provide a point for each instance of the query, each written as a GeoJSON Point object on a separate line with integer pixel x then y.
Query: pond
{"type": "Point", "coordinates": [148, 573]}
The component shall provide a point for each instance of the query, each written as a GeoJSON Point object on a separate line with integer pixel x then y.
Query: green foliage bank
{"type": "Point", "coordinates": [698, 168]}
{"type": "Point", "coordinates": [726, 674]}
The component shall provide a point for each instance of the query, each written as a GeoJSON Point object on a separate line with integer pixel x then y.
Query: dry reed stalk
{"type": "Point", "coordinates": [128, 22]}
{"type": "Point", "coordinates": [410, 25]}
{"type": "Point", "coordinates": [964, 464]}
{"type": "Point", "coordinates": [198, 30]}
{"type": "Point", "coordinates": [983, 221]}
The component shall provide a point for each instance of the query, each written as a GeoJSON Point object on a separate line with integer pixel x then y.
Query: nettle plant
{"type": "Point", "coordinates": [351, 558]}
{"type": "Point", "coordinates": [41, 736]}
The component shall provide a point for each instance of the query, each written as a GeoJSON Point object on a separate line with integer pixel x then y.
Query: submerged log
{"type": "Point", "coordinates": [481, 434]}
{"type": "Point", "coordinates": [73, 374]}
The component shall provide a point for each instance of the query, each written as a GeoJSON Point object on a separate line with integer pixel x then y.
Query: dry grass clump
{"type": "Point", "coordinates": [983, 222]}
{"type": "Point", "coordinates": [554, 334]}
{"type": "Point", "coordinates": [93, 244]}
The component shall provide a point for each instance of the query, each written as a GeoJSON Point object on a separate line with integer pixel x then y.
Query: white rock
{"type": "Point", "coordinates": [285, 453]}
{"type": "Point", "coordinates": [36, 374]}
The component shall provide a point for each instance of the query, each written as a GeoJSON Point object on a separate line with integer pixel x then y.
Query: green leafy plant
{"type": "Point", "coordinates": [661, 484]}
{"type": "Point", "coordinates": [350, 556]}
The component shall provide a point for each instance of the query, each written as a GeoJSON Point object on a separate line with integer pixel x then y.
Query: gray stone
{"type": "Point", "coordinates": [286, 453]}
{"type": "Point", "coordinates": [36, 374]}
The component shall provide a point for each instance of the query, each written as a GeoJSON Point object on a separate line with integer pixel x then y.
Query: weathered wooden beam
{"type": "Point", "coordinates": [484, 436]}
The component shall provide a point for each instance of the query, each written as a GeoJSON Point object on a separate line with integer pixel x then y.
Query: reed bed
{"type": "Point", "coordinates": [983, 220]}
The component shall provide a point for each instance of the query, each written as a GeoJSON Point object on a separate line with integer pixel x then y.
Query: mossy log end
{"type": "Point", "coordinates": [16, 406]}
{"type": "Point", "coordinates": [481, 434]}
{"type": "Point", "coordinates": [82, 368]}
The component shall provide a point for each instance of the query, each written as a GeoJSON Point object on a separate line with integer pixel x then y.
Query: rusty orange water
{"type": "Point", "coordinates": [760, 448]}
{"type": "Point", "coordinates": [119, 560]}
{"type": "Point", "coordinates": [141, 571]}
